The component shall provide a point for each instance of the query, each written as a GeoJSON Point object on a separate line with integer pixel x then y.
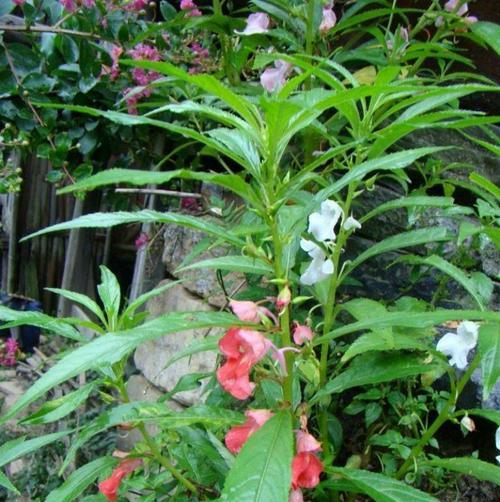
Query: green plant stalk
{"type": "Point", "coordinates": [286, 340]}
{"type": "Point", "coordinates": [308, 137]}
{"type": "Point", "coordinates": [329, 309]}
{"type": "Point", "coordinates": [154, 448]}
{"type": "Point", "coordinates": [441, 418]}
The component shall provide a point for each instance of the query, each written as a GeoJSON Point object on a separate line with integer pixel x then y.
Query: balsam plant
{"type": "Point", "coordinates": [299, 155]}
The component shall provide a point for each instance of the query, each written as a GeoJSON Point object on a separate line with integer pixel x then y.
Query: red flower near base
{"type": "Point", "coordinates": [238, 435]}
{"type": "Point", "coordinates": [306, 469]}
{"type": "Point", "coordinates": [109, 487]}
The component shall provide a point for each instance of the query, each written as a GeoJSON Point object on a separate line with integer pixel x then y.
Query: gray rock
{"type": "Point", "coordinates": [179, 243]}
{"type": "Point", "coordinates": [493, 401]}
{"type": "Point", "coordinates": [152, 356]}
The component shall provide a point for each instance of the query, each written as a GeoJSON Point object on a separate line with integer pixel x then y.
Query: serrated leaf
{"type": "Point", "coordinates": [262, 470]}
{"type": "Point", "coordinates": [374, 368]}
{"type": "Point", "coordinates": [470, 467]}
{"type": "Point", "coordinates": [113, 347]}
{"type": "Point", "coordinates": [80, 480]}
{"type": "Point", "coordinates": [109, 292]}
{"type": "Point", "coordinates": [383, 488]}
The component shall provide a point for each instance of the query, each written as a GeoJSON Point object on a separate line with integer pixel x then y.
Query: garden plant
{"type": "Point", "coordinates": [299, 109]}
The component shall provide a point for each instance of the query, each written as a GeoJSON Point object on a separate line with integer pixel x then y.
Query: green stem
{"type": "Point", "coordinates": [286, 340]}
{"type": "Point", "coordinates": [154, 448]}
{"type": "Point", "coordinates": [308, 136]}
{"type": "Point", "coordinates": [440, 420]}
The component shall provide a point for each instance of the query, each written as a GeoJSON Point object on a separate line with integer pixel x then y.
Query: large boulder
{"type": "Point", "coordinates": [152, 356]}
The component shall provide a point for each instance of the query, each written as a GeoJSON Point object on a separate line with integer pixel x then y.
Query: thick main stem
{"type": "Point", "coordinates": [440, 420]}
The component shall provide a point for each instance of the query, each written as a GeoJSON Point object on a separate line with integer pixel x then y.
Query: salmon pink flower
{"type": "Point", "coordinates": [238, 435]}
{"type": "Point", "coordinates": [109, 487]}
{"type": "Point", "coordinates": [302, 334]}
{"type": "Point", "coordinates": [234, 378]}
{"type": "Point", "coordinates": [306, 469]}
{"type": "Point", "coordinates": [307, 443]}
{"type": "Point", "coordinates": [245, 310]}
{"type": "Point", "coordinates": [256, 23]}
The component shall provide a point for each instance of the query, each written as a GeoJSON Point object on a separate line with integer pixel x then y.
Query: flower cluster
{"type": "Point", "coordinates": [109, 487]}
{"type": "Point", "coordinates": [190, 8]}
{"type": "Point", "coordinates": [9, 352]}
{"type": "Point", "coordinates": [322, 227]}
{"type": "Point", "coordinates": [201, 56]}
{"type": "Point", "coordinates": [458, 8]}
{"type": "Point", "coordinates": [71, 5]}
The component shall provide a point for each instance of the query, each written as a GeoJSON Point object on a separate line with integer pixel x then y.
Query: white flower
{"type": "Point", "coordinates": [328, 21]}
{"type": "Point", "coordinates": [273, 79]}
{"type": "Point", "coordinates": [468, 423]}
{"type": "Point", "coordinates": [322, 224]}
{"type": "Point", "coordinates": [497, 442]}
{"type": "Point", "coordinates": [320, 267]}
{"type": "Point", "coordinates": [351, 223]}
{"type": "Point", "coordinates": [458, 345]}
{"type": "Point", "coordinates": [256, 23]}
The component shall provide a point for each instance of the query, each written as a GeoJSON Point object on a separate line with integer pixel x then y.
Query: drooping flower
{"type": "Point", "coordinates": [329, 19]}
{"type": "Point", "coordinates": [302, 334]}
{"type": "Point", "coordinates": [351, 223]}
{"type": "Point", "coordinates": [452, 5]}
{"type": "Point", "coordinates": [237, 436]}
{"type": "Point", "coordinates": [320, 267]}
{"type": "Point", "coordinates": [307, 443]}
{"type": "Point", "coordinates": [243, 348]}
{"type": "Point", "coordinates": [468, 424]}
{"type": "Point", "coordinates": [322, 223]}
{"type": "Point", "coordinates": [458, 345]}
{"type": "Point", "coordinates": [246, 311]}
{"type": "Point", "coordinates": [257, 22]}
{"type": "Point", "coordinates": [109, 487]}
{"type": "Point", "coordinates": [273, 79]}
{"type": "Point", "coordinates": [306, 470]}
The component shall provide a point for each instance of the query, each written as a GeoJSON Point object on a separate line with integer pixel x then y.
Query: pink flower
{"type": "Point", "coordinates": [20, 3]}
{"type": "Point", "coordinates": [306, 469]}
{"type": "Point", "coordinates": [141, 241]}
{"type": "Point", "coordinates": [284, 298]}
{"type": "Point", "coordinates": [136, 5]}
{"type": "Point", "coordinates": [256, 23]}
{"type": "Point", "coordinates": [452, 5]}
{"type": "Point", "coordinates": [296, 496]}
{"type": "Point", "coordinates": [302, 334]}
{"type": "Point", "coordinates": [109, 487]}
{"type": "Point", "coordinates": [9, 356]}
{"type": "Point", "coordinates": [191, 8]}
{"type": "Point", "coordinates": [329, 19]}
{"type": "Point", "coordinates": [307, 443]}
{"type": "Point", "coordinates": [471, 19]}
{"type": "Point", "coordinates": [69, 5]}
{"type": "Point", "coordinates": [88, 3]}
{"type": "Point", "coordinates": [145, 51]}
{"type": "Point", "coordinates": [273, 79]}
{"type": "Point", "coordinates": [238, 435]}
{"type": "Point", "coordinates": [245, 310]}
{"type": "Point", "coordinates": [243, 348]}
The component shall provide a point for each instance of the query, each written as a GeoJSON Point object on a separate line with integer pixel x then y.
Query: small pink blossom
{"type": "Point", "coordinates": [191, 8]}
{"type": "Point", "coordinates": [141, 241]}
{"type": "Point", "coordinates": [20, 3]}
{"type": "Point", "coordinates": [302, 334]}
{"type": "Point", "coordinates": [69, 5]}
{"type": "Point", "coordinates": [307, 442]}
{"type": "Point", "coordinates": [237, 436]}
{"type": "Point", "coordinates": [256, 23]}
{"type": "Point", "coordinates": [88, 3]}
{"type": "Point", "coordinates": [8, 357]}
{"type": "Point", "coordinates": [329, 19]}
{"type": "Point", "coordinates": [284, 299]}
{"type": "Point", "coordinates": [109, 487]}
{"type": "Point", "coordinates": [273, 79]}
{"type": "Point", "coordinates": [452, 5]}
{"type": "Point", "coordinates": [136, 5]}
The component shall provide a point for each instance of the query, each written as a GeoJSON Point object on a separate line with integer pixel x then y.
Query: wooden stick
{"type": "Point", "coordinates": [156, 191]}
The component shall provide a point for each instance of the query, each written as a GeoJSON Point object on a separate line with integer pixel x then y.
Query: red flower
{"type": "Point", "coordinates": [306, 469]}
{"type": "Point", "coordinates": [243, 348]}
{"type": "Point", "coordinates": [109, 487]}
{"type": "Point", "coordinates": [307, 443]}
{"type": "Point", "coordinates": [238, 435]}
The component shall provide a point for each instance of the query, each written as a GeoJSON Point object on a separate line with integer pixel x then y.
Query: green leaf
{"type": "Point", "coordinates": [469, 466]}
{"type": "Point", "coordinates": [109, 292]}
{"type": "Point", "coordinates": [412, 201]}
{"type": "Point", "coordinates": [410, 320]}
{"type": "Point", "coordinates": [374, 368]}
{"type": "Point", "coordinates": [400, 241]}
{"type": "Point", "coordinates": [113, 347]}
{"type": "Point", "coordinates": [489, 32]}
{"type": "Point", "coordinates": [243, 264]}
{"type": "Point", "coordinates": [489, 349]}
{"type": "Point", "coordinates": [6, 483]}
{"type": "Point", "coordinates": [51, 324]}
{"type": "Point", "coordinates": [493, 415]}
{"type": "Point", "coordinates": [80, 480]}
{"type": "Point", "coordinates": [382, 488]}
{"type": "Point", "coordinates": [105, 220]}
{"type": "Point", "coordinates": [486, 184]}
{"type": "Point", "coordinates": [19, 447]}
{"type": "Point", "coordinates": [262, 470]}
{"type": "Point", "coordinates": [206, 344]}
{"type": "Point", "coordinates": [59, 408]}
{"type": "Point", "coordinates": [82, 300]}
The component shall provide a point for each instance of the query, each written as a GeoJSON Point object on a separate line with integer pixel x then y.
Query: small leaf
{"type": "Point", "coordinates": [82, 300]}
{"type": "Point", "coordinates": [489, 32]}
{"type": "Point", "coordinates": [243, 264]}
{"type": "Point", "coordinates": [470, 467]}
{"type": "Point", "coordinates": [109, 292]}
{"type": "Point", "coordinates": [6, 483]}
{"type": "Point", "coordinates": [489, 349]}
{"type": "Point", "coordinates": [262, 470]}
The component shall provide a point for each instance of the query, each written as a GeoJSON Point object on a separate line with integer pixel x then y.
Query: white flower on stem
{"type": "Point", "coordinates": [256, 23]}
{"type": "Point", "coordinates": [322, 224]}
{"type": "Point", "coordinates": [320, 268]}
{"type": "Point", "coordinates": [273, 79]}
{"type": "Point", "coordinates": [458, 345]}
{"type": "Point", "coordinates": [497, 442]}
{"type": "Point", "coordinates": [351, 223]}
{"type": "Point", "coordinates": [468, 423]}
